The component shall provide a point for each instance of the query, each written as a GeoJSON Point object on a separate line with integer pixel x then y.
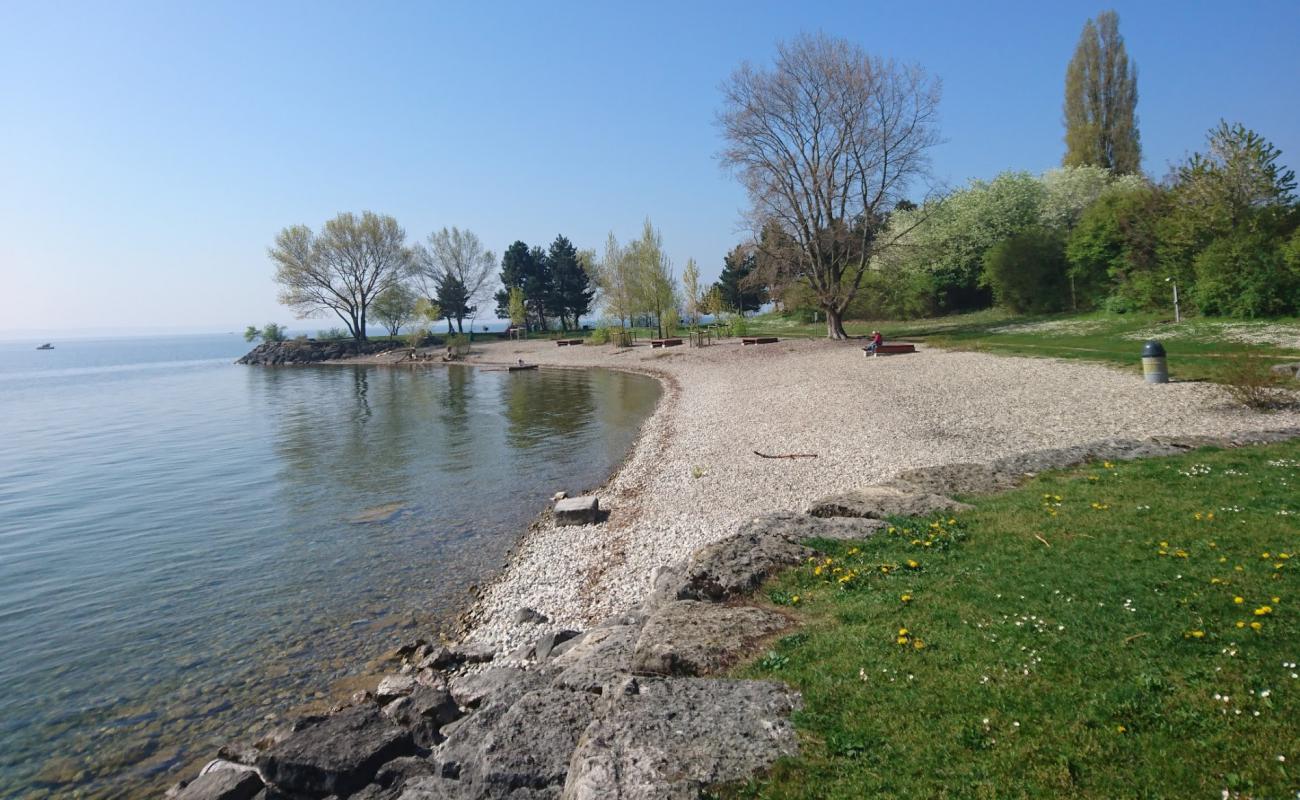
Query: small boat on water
{"type": "Point", "coordinates": [46, 346]}
{"type": "Point", "coordinates": [523, 367]}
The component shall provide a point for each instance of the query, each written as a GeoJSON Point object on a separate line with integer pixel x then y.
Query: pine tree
{"type": "Point", "coordinates": [453, 299]}
{"type": "Point", "coordinates": [736, 284]}
{"type": "Point", "coordinates": [1101, 101]}
{"type": "Point", "coordinates": [570, 286]}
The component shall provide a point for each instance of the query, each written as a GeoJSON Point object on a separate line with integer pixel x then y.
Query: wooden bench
{"type": "Point", "coordinates": [889, 349]}
{"type": "Point", "coordinates": [665, 342]}
{"type": "Point", "coordinates": [567, 342]}
{"type": "Point", "coordinates": [758, 340]}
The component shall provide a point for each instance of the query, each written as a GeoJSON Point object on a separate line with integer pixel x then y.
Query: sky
{"type": "Point", "coordinates": [149, 152]}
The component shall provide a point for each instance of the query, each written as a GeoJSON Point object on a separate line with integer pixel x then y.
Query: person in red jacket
{"type": "Point", "coordinates": [876, 341]}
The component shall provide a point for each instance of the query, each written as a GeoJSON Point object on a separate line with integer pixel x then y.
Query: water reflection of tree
{"type": "Point", "coordinates": [538, 406]}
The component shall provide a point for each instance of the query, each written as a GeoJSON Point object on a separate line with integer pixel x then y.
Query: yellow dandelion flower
{"type": "Point", "coordinates": [918, 644]}
{"type": "Point", "coordinates": [1265, 555]}
{"type": "Point", "coordinates": [953, 521]}
{"type": "Point", "coordinates": [1241, 623]}
{"type": "Point", "coordinates": [1164, 544]}
{"type": "Point", "coordinates": [902, 631]}
{"type": "Point", "coordinates": [1215, 580]}
{"type": "Point", "coordinates": [1238, 599]}
{"type": "Point", "coordinates": [1254, 626]}
{"type": "Point", "coordinates": [907, 598]}
{"type": "Point", "coordinates": [912, 564]}
{"type": "Point", "coordinates": [1210, 515]}
{"type": "Point", "coordinates": [902, 640]}
{"type": "Point", "coordinates": [1276, 599]}
{"type": "Point", "coordinates": [794, 599]}
{"type": "Point", "coordinates": [1120, 729]}
{"type": "Point", "coordinates": [1263, 611]}
{"type": "Point", "coordinates": [1197, 516]}
{"type": "Point", "coordinates": [1194, 635]}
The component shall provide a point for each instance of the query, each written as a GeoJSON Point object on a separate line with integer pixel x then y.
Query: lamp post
{"type": "Point", "coordinates": [1178, 317]}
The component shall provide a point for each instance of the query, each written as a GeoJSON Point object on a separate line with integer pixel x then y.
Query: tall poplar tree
{"type": "Point", "coordinates": [1101, 101]}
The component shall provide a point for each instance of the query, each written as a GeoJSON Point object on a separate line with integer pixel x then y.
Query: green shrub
{"type": "Point", "coordinates": [1246, 275]}
{"type": "Point", "coordinates": [599, 336]}
{"type": "Point", "coordinates": [1028, 272]}
{"type": "Point", "coordinates": [458, 345]}
{"type": "Point", "coordinates": [333, 334]}
{"type": "Point", "coordinates": [739, 326]}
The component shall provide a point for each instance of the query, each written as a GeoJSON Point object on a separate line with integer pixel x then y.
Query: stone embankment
{"type": "Point", "coordinates": [311, 351]}
{"type": "Point", "coordinates": [630, 708]}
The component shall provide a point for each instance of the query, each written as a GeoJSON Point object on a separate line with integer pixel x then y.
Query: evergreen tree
{"type": "Point", "coordinates": [570, 286]}
{"type": "Point", "coordinates": [736, 284]}
{"type": "Point", "coordinates": [1101, 101]}
{"type": "Point", "coordinates": [453, 299]}
{"type": "Point", "coordinates": [525, 268]}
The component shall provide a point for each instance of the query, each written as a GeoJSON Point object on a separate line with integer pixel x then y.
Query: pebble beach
{"type": "Point", "coordinates": [693, 476]}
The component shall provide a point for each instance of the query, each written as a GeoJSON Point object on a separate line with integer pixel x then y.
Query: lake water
{"type": "Point", "coordinates": [187, 546]}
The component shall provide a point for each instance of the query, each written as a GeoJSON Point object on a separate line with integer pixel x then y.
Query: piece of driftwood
{"type": "Point", "coordinates": [786, 455]}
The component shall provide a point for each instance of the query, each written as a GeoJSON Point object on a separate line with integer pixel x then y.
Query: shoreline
{"type": "Point", "coordinates": [579, 575]}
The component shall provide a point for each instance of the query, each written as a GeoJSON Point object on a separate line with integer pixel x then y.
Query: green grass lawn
{"type": "Point", "coordinates": [1120, 630]}
{"type": "Point", "coordinates": [1199, 349]}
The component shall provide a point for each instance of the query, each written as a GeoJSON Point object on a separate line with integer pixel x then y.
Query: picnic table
{"type": "Point", "coordinates": [758, 340]}
{"type": "Point", "coordinates": [665, 342]}
{"type": "Point", "coordinates": [567, 342]}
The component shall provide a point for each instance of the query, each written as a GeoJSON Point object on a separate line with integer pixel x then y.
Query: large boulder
{"type": "Point", "coordinates": [667, 739]}
{"type": "Point", "coordinates": [338, 755]}
{"type": "Point", "coordinates": [737, 565]}
{"type": "Point", "coordinates": [424, 713]}
{"type": "Point", "coordinates": [222, 784]}
{"type": "Point", "coordinates": [523, 753]}
{"type": "Point", "coordinates": [468, 690]}
{"type": "Point", "coordinates": [598, 659]}
{"type": "Point", "coordinates": [693, 638]}
{"type": "Point", "coordinates": [882, 502]}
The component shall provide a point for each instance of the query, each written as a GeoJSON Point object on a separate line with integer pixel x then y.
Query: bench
{"type": "Point", "coordinates": [665, 342]}
{"type": "Point", "coordinates": [567, 342]}
{"type": "Point", "coordinates": [758, 340]}
{"type": "Point", "coordinates": [890, 349]}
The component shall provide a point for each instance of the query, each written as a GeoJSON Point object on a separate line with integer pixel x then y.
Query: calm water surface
{"type": "Point", "coordinates": [187, 546]}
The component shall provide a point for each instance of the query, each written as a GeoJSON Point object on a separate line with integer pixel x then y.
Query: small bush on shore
{"type": "Point", "coordinates": [1251, 383]}
{"type": "Point", "coordinates": [599, 336]}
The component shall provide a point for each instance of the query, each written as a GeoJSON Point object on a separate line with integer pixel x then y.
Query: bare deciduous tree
{"type": "Point", "coordinates": [459, 255]}
{"type": "Point", "coordinates": [343, 269]}
{"type": "Point", "coordinates": [826, 142]}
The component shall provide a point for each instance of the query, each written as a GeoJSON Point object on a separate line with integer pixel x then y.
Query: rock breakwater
{"type": "Point", "coordinates": [311, 351]}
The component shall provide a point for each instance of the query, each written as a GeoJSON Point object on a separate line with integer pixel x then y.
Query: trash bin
{"type": "Point", "coordinates": [1154, 365]}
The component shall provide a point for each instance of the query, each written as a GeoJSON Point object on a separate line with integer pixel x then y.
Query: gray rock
{"type": "Point", "coordinates": [577, 510]}
{"type": "Point", "coordinates": [737, 565]}
{"type": "Point", "coordinates": [694, 638]}
{"type": "Point", "coordinates": [338, 755]}
{"type": "Point", "coordinates": [474, 653]}
{"type": "Point", "coordinates": [802, 527]}
{"type": "Point", "coordinates": [394, 686]}
{"type": "Point", "coordinates": [433, 788]}
{"type": "Point", "coordinates": [526, 752]}
{"type": "Point", "coordinates": [424, 713]}
{"type": "Point", "coordinates": [1286, 370]}
{"type": "Point", "coordinates": [598, 659]}
{"type": "Point", "coordinates": [469, 690]}
{"type": "Point", "coordinates": [963, 478]}
{"type": "Point", "coordinates": [400, 771]}
{"type": "Point", "coordinates": [545, 645]}
{"type": "Point", "coordinates": [527, 616]}
{"type": "Point", "coordinates": [438, 658]}
{"type": "Point", "coordinates": [223, 784]}
{"type": "Point", "coordinates": [881, 502]}
{"type": "Point", "coordinates": [667, 739]}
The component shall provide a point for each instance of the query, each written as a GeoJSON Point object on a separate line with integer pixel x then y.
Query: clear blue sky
{"type": "Point", "coordinates": [150, 151]}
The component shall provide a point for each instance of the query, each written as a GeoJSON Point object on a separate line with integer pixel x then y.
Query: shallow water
{"type": "Point", "coordinates": [187, 545]}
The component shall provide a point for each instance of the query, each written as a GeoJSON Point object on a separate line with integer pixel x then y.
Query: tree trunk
{"type": "Point", "coordinates": [460, 324]}
{"type": "Point", "coordinates": [834, 324]}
